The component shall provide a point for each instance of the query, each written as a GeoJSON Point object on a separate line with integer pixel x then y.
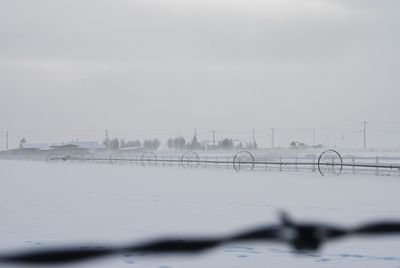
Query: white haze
{"type": "Point", "coordinates": [71, 69]}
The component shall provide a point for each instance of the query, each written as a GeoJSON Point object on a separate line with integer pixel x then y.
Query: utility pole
{"type": "Point", "coordinates": [313, 136]}
{"type": "Point", "coordinates": [213, 132]}
{"type": "Point", "coordinates": [7, 140]}
{"type": "Point", "coordinates": [272, 137]}
{"type": "Point", "coordinates": [365, 134]}
{"type": "Point", "coordinates": [106, 138]}
{"type": "Point", "coordinates": [254, 137]}
{"type": "Point", "coordinates": [342, 139]}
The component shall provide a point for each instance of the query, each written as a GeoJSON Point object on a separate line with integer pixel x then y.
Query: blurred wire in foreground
{"type": "Point", "coordinates": [300, 236]}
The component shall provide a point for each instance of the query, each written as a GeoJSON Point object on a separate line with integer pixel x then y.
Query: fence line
{"type": "Point", "coordinates": [329, 162]}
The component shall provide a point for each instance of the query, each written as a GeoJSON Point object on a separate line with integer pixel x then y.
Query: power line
{"type": "Point", "coordinates": [313, 137]}
{"type": "Point", "coordinates": [365, 134]}
{"type": "Point", "coordinates": [272, 137]}
{"type": "Point", "coordinates": [213, 133]}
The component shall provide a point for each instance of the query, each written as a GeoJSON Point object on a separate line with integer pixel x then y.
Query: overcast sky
{"type": "Point", "coordinates": [70, 69]}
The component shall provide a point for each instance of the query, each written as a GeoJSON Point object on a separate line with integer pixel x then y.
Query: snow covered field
{"type": "Point", "coordinates": [44, 204]}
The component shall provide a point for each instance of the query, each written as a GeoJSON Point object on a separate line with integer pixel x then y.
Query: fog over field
{"type": "Point", "coordinates": [128, 120]}
{"type": "Point", "coordinates": [46, 205]}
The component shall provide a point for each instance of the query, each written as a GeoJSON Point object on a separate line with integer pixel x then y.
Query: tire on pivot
{"type": "Point", "coordinates": [330, 161]}
{"type": "Point", "coordinates": [243, 160]}
{"type": "Point", "coordinates": [86, 157]}
{"type": "Point", "coordinates": [116, 158]}
{"type": "Point", "coordinates": [190, 159]}
{"type": "Point", "coordinates": [51, 157]}
{"type": "Point", "coordinates": [148, 158]}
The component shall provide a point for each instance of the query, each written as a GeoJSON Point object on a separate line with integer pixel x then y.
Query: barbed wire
{"type": "Point", "coordinates": [302, 237]}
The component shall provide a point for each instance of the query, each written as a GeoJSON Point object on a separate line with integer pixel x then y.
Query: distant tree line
{"type": "Point", "coordinates": [116, 144]}
{"type": "Point", "coordinates": [301, 145]}
{"type": "Point", "coordinates": [179, 143]}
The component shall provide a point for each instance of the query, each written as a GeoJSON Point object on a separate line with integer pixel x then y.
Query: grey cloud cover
{"type": "Point", "coordinates": [176, 65]}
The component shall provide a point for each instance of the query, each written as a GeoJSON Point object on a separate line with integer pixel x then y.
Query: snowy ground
{"type": "Point", "coordinates": [44, 204]}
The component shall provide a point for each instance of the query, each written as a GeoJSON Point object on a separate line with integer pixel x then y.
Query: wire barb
{"type": "Point", "coordinates": [300, 236]}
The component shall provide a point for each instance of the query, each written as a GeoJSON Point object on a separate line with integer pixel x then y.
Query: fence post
{"type": "Point", "coordinates": [295, 160]}
{"type": "Point", "coordinates": [266, 165]}
{"type": "Point", "coordinates": [353, 160]}
{"type": "Point", "coordinates": [227, 162]}
{"type": "Point", "coordinates": [313, 163]}
{"type": "Point", "coordinates": [377, 163]}
{"type": "Point", "coordinates": [280, 167]}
